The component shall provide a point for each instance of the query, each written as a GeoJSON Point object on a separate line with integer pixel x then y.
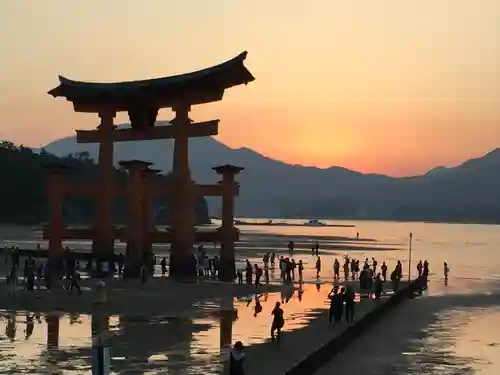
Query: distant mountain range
{"type": "Point", "coordinates": [271, 188]}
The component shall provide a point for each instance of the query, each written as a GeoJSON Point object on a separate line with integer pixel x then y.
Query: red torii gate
{"type": "Point", "coordinates": [142, 100]}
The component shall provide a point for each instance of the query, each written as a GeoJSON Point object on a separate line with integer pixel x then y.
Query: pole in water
{"type": "Point", "coordinates": [409, 259]}
{"type": "Point", "coordinates": [101, 357]}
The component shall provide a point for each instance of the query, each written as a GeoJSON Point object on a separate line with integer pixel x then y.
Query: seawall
{"type": "Point", "coordinates": [325, 353]}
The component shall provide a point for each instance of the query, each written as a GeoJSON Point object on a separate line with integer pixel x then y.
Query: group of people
{"type": "Point", "coordinates": [35, 274]}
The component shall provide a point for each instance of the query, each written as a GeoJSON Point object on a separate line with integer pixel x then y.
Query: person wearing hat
{"type": "Point", "coordinates": [236, 357]}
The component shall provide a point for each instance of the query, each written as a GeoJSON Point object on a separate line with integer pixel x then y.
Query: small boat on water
{"type": "Point", "coordinates": [315, 223]}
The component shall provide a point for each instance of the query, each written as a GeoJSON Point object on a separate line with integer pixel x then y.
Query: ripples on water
{"type": "Point", "coordinates": [459, 342]}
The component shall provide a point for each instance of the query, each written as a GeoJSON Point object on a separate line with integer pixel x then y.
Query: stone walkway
{"type": "Point", "coordinates": [273, 359]}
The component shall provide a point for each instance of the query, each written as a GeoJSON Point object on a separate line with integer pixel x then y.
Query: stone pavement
{"type": "Point", "coordinates": [274, 359]}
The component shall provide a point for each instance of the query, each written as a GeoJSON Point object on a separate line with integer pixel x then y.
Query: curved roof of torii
{"type": "Point", "coordinates": [197, 87]}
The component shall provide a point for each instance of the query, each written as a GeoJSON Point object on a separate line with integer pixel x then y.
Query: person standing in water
{"type": "Point", "coordinates": [336, 269]}
{"type": "Point", "coordinates": [318, 267]}
{"type": "Point", "coordinates": [278, 322]}
{"type": "Point", "coordinates": [301, 269]}
{"type": "Point", "coordinates": [446, 271]}
{"type": "Point", "coordinates": [273, 258]}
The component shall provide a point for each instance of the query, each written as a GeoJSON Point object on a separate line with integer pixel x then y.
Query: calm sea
{"type": "Point", "coordinates": [453, 330]}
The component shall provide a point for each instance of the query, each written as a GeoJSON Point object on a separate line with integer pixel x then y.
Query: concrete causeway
{"type": "Point", "coordinates": [289, 356]}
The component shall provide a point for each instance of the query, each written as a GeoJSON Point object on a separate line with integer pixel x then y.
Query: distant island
{"type": "Point", "coordinates": [274, 189]}
{"type": "Point", "coordinates": [23, 198]}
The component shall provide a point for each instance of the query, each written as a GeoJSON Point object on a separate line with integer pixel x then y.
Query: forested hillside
{"type": "Point", "coordinates": [23, 198]}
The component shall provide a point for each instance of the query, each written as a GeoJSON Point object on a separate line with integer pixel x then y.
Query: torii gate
{"type": "Point", "coordinates": [142, 100]}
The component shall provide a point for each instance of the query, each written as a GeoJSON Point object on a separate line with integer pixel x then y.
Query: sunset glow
{"type": "Point", "coordinates": [387, 86]}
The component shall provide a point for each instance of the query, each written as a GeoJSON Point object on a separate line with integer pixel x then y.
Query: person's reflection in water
{"type": "Point", "coordinates": [318, 287]}
{"type": "Point", "coordinates": [300, 292]}
{"type": "Point", "coordinates": [258, 305]}
{"type": "Point", "coordinates": [30, 326]}
{"type": "Point", "coordinates": [11, 328]}
{"type": "Point", "coordinates": [74, 318]}
{"type": "Point", "coordinates": [266, 276]}
{"type": "Point", "coordinates": [289, 291]}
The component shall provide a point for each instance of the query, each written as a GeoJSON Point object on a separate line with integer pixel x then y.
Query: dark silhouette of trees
{"type": "Point", "coordinates": [23, 197]}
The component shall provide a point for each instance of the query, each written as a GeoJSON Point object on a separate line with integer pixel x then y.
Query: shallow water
{"type": "Point", "coordinates": [451, 332]}
{"type": "Point", "coordinates": [61, 342]}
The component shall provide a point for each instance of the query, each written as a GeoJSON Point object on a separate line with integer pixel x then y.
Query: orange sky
{"type": "Point", "coordinates": [386, 86]}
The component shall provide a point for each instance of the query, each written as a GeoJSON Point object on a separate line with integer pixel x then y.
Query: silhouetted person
{"type": "Point", "coordinates": [446, 270]}
{"type": "Point", "coordinates": [336, 306]}
{"type": "Point", "coordinates": [258, 275]}
{"type": "Point", "coordinates": [384, 271]}
{"type": "Point", "coordinates": [239, 275]}
{"type": "Point", "coordinates": [236, 358]}
{"type": "Point", "coordinates": [378, 286]}
{"type": "Point", "coordinates": [395, 280]}
{"type": "Point", "coordinates": [318, 267]}
{"type": "Point", "coordinates": [336, 269]}
{"type": "Point", "coordinates": [346, 268]}
{"type": "Point", "coordinates": [278, 322]}
{"type": "Point", "coordinates": [265, 260]}
{"type": "Point", "coordinates": [74, 283]}
{"type": "Point", "coordinates": [163, 265]}
{"type": "Point", "coordinates": [248, 272]}
{"type": "Point", "coordinates": [273, 258]}
{"type": "Point", "coordinates": [301, 270]}
{"type": "Point", "coordinates": [420, 267]}
{"type": "Point", "coordinates": [349, 298]}
{"type": "Point", "coordinates": [291, 247]}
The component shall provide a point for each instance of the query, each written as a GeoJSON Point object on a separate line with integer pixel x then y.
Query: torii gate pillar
{"type": "Point", "coordinates": [228, 231]}
{"type": "Point", "coordinates": [135, 253]}
{"type": "Point", "coordinates": [182, 262]}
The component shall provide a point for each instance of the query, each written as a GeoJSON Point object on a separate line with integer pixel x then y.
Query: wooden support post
{"type": "Point", "coordinates": [103, 245]}
{"type": "Point", "coordinates": [228, 232]}
{"type": "Point", "coordinates": [182, 262]}
{"type": "Point", "coordinates": [228, 314]}
{"type": "Point", "coordinates": [52, 320]}
{"type": "Point", "coordinates": [147, 210]}
{"type": "Point", "coordinates": [55, 228]}
{"type": "Point", "coordinates": [135, 254]}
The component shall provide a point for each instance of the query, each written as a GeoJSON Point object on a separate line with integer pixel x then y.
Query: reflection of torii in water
{"type": "Point", "coordinates": [11, 327]}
